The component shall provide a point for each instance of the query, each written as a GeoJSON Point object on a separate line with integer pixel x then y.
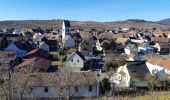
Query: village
{"type": "Point", "coordinates": [73, 63]}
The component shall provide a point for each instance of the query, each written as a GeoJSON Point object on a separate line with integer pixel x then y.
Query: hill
{"type": "Point", "coordinates": [165, 21]}
{"type": "Point", "coordinates": [57, 24]}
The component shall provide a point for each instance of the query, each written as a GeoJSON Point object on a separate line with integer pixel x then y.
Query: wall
{"type": "Point", "coordinates": [72, 62]}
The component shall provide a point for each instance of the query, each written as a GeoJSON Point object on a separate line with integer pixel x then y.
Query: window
{"type": "Point", "coordinates": [90, 88]}
{"type": "Point", "coordinates": [46, 89]}
{"type": "Point", "coordinates": [76, 89]}
{"type": "Point", "coordinates": [77, 60]}
{"type": "Point", "coordinates": [72, 60]}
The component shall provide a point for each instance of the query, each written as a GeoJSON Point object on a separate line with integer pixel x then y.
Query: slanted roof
{"type": "Point", "coordinates": [61, 79]}
{"type": "Point", "coordinates": [159, 39]}
{"type": "Point", "coordinates": [37, 51]}
{"type": "Point", "coordinates": [164, 45]}
{"type": "Point", "coordinates": [37, 62]}
{"type": "Point", "coordinates": [78, 53]}
{"type": "Point", "coordinates": [137, 68]}
{"type": "Point", "coordinates": [160, 62]}
{"type": "Point", "coordinates": [121, 40]}
{"type": "Point", "coordinates": [67, 23]}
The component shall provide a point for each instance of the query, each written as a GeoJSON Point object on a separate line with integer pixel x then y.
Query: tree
{"type": "Point", "coordinates": [106, 45]}
{"type": "Point", "coordinates": [152, 81]}
{"type": "Point", "coordinates": [105, 86]}
{"type": "Point", "coordinates": [4, 42]}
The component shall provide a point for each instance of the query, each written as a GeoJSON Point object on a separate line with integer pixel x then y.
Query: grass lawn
{"type": "Point", "coordinates": [147, 96]}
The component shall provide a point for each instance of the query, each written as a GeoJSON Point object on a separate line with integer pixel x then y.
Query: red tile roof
{"type": "Point", "coordinates": [39, 63]}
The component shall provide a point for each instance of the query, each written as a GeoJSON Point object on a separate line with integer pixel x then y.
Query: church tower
{"type": "Point", "coordinates": [66, 29]}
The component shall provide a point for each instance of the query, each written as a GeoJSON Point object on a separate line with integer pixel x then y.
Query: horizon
{"type": "Point", "coordinates": [81, 20]}
{"type": "Point", "coordinates": [85, 10]}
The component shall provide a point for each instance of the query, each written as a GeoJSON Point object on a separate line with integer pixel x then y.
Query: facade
{"type": "Point", "coordinates": [44, 46]}
{"type": "Point", "coordinates": [159, 67]}
{"type": "Point", "coordinates": [53, 86]}
{"type": "Point", "coordinates": [75, 61]}
{"type": "Point", "coordinates": [132, 74]}
{"type": "Point", "coordinates": [162, 48]}
{"type": "Point", "coordinates": [86, 47]}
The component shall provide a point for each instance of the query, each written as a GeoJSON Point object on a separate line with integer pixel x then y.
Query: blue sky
{"type": "Point", "coordinates": [91, 10]}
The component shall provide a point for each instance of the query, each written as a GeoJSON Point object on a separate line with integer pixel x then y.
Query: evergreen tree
{"type": "Point", "coordinates": [4, 42]}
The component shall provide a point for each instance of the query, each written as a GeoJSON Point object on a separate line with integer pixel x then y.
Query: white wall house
{"type": "Point", "coordinates": [98, 46]}
{"type": "Point", "coordinates": [44, 46]}
{"type": "Point", "coordinates": [121, 78]}
{"type": "Point", "coordinates": [159, 67]}
{"type": "Point", "coordinates": [75, 61]}
{"type": "Point", "coordinates": [53, 86]}
{"type": "Point", "coordinates": [130, 74]}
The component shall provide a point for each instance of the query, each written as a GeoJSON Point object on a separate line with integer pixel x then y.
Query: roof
{"type": "Point", "coordinates": [159, 39]}
{"type": "Point", "coordinates": [37, 51]}
{"type": "Point", "coordinates": [132, 55]}
{"type": "Point", "coordinates": [67, 23]}
{"type": "Point", "coordinates": [164, 45]}
{"type": "Point", "coordinates": [8, 52]}
{"type": "Point", "coordinates": [137, 68]}
{"type": "Point", "coordinates": [121, 40]}
{"type": "Point", "coordinates": [78, 53]}
{"type": "Point", "coordinates": [160, 62]}
{"type": "Point", "coordinates": [54, 79]}
{"type": "Point", "coordinates": [8, 35]}
{"type": "Point", "coordinates": [38, 62]}
{"type": "Point", "coordinates": [27, 46]}
{"type": "Point", "coordinates": [64, 79]}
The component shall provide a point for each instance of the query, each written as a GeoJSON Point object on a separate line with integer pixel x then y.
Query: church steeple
{"type": "Point", "coordinates": [66, 29]}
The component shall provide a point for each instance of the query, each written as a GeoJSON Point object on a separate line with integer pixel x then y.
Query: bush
{"type": "Point", "coordinates": [105, 86]}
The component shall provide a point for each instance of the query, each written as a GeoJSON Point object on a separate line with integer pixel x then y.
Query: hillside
{"type": "Point", "coordinates": [56, 24]}
{"type": "Point", "coordinates": [165, 21]}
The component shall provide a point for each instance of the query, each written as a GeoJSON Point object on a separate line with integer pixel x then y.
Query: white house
{"type": "Point", "coordinates": [59, 86]}
{"type": "Point", "coordinates": [162, 48]}
{"type": "Point", "coordinates": [67, 40]}
{"type": "Point", "coordinates": [98, 45]}
{"type": "Point", "coordinates": [132, 73]}
{"type": "Point", "coordinates": [75, 61]}
{"type": "Point", "coordinates": [159, 67]}
{"type": "Point", "coordinates": [44, 46]}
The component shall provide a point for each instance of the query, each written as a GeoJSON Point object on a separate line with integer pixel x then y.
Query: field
{"type": "Point", "coordinates": [147, 96]}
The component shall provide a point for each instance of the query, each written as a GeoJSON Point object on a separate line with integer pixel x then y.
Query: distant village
{"type": "Point", "coordinates": [82, 64]}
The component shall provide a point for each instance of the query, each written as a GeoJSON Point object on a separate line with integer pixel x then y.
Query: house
{"type": "Point", "coordinates": [160, 40]}
{"type": "Point", "coordinates": [75, 61]}
{"type": "Point", "coordinates": [145, 48]}
{"type": "Point", "coordinates": [121, 43]}
{"type": "Point", "coordinates": [132, 74]}
{"type": "Point", "coordinates": [10, 37]}
{"type": "Point", "coordinates": [36, 64]}
{"type": "Point", "coordinates": [68, 42]}
{"type": "Point", "coordinates": [162, 48]}
{"type": "Point", "coordinates": [130, 49]}
{"type": "Point", "coordinates": [86, 47]}
{"type": "Point", "coordinates": [67, 39]}
{"type": "Point", "coordinates": [58, 86]}
{"type": "Point", "coordinates": [36, 53]}
{"type": "Point", "coordinates": [53, 45]}
{"type": "Point", "coordinates": [98, 45]}
{"type": "Point", "coordinates": [20, 52]}
{"type": "Point", "coordinates": [44, 46]}
{"type": "Point", "coordinates": [159, 67]}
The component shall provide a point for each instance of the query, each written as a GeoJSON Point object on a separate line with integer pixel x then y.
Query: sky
{"type": "Point", "coordinates": [84, 10]}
